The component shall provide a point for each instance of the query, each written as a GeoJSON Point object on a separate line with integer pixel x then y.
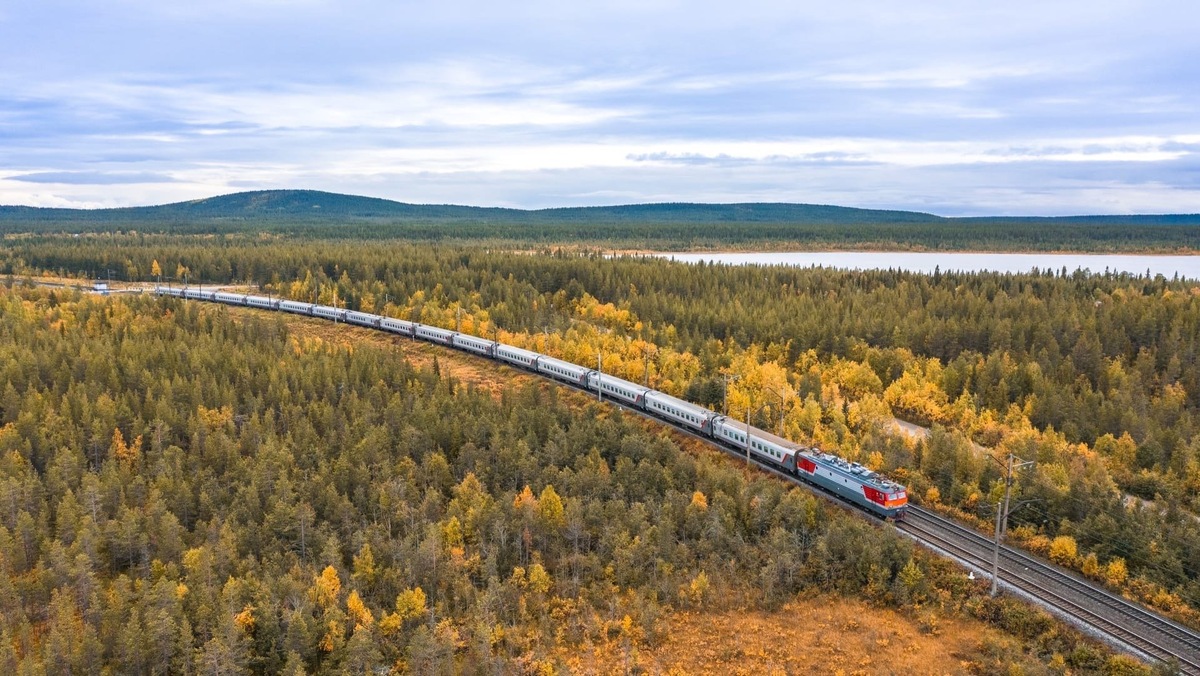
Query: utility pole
{"type": "Point", "coordinates": [747, 436]}
{"type": "Point", "coordinates": [782, 403]}
{"type": "Point", "coordinates": [749, 415]}
{"type": "Point", "coordinates": [458, 320]}
{"type": "Point", "coordinates": [1014, 463]}
{"type": "Point", "coordinates": [646, 353]}
{"type": "Point", "coordinates": [600, 378]}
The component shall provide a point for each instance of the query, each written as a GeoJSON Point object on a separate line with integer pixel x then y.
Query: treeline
{"type": "Point", "coordinates": [181, 492]}
{"type": "Point", "coordinates": [318, 215]}
{"type": "Point", "coordinates": [947, 235]}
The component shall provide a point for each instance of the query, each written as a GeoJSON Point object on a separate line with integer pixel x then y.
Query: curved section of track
{"type": "Point", "coordinates": [1098, 610]}
{"type": "Point", "coordinates": [1112, 618]}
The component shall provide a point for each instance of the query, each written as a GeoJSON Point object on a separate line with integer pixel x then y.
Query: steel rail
{"type": "Point", "coordinates": [1095, 621]}
{"type": "Point", "coordinates": [1105, 614]}
{"type": "Point", "coordinates": [1185, 636]}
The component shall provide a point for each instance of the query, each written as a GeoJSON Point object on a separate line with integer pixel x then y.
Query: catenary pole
{"type": "Point", "coordinates": [1014, 463]}
{"type": "Point", "coordinates": [726, 377]}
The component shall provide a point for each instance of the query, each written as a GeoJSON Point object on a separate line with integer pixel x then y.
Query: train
{"type": "Point", "coordinates": [847, 480]}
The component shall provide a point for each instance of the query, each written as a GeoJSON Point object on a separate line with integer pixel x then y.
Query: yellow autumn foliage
{"type": "Point", "coordinates": [215, 418]}
{"type": "Point", "coordinates": [697, 590]}
{"type": "Point", "coordinates": [525, 501]}
{"type": "Point", "coordinates": [326, 587]}
{"type": "Point", "coordinates": [550, 509]}
{"type": "Point", "coordinates": [127, 454]}
{"type": "Point", "coordinates": [410, 604]}
{"type": "Point", "coordinates": [1063, 550]}
{"type": "Point", "coordinates": [358, 611]}
{"type": "Point", "coordinates": [245, 619]}
{"type": "Point", "coordinates": [1116, 572]}
{"type": "Point", "coordinates": [539, 580]}
{"type": "Point", "coordinates": [335, 634]}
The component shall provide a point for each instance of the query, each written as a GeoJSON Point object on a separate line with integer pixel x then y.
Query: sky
{"type": "Point", "coordinates": [954, 107]}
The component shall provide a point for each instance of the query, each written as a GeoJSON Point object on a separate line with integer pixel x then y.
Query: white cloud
{"type": "Point", "coordinates": [920, 154]}
{"type": "Point", "coordinates": [941, 76]}
{"type": "Point", "coordinates": [437, 94]}
{"type": "Point", "coordinates": [529, 103]}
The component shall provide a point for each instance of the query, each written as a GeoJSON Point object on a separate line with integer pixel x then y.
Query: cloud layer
{"type": "Point", "coordinates": [1082, 107]}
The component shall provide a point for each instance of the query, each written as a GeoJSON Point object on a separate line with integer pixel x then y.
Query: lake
{"type": "Point", "coordinates": [1168, 266]}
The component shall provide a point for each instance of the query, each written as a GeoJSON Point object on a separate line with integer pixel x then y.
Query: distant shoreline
{"type": "Point", "coordinates": [813, 250]}
{"type": "Point", "coordinates": [1182, 266]}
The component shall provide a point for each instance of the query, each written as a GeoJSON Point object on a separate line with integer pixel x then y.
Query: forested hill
{"type": "Point", "coordinates": [308, 204]}
{"type": "Point", "coordinates": [671, 226]}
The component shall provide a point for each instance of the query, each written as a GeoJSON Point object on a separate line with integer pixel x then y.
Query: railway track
{"type": "Point", "coordinates": [1119, 622]}
{"type": "Point", "coordinates": [1115, 620]}
{"type": "Point", "coordinates": [1098, 611]}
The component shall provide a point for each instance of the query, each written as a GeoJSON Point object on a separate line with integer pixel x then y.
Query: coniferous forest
{"type": "Point", "coordinates": [187, 488]}
{"type": "Point", "coordinates": [185, 492]}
